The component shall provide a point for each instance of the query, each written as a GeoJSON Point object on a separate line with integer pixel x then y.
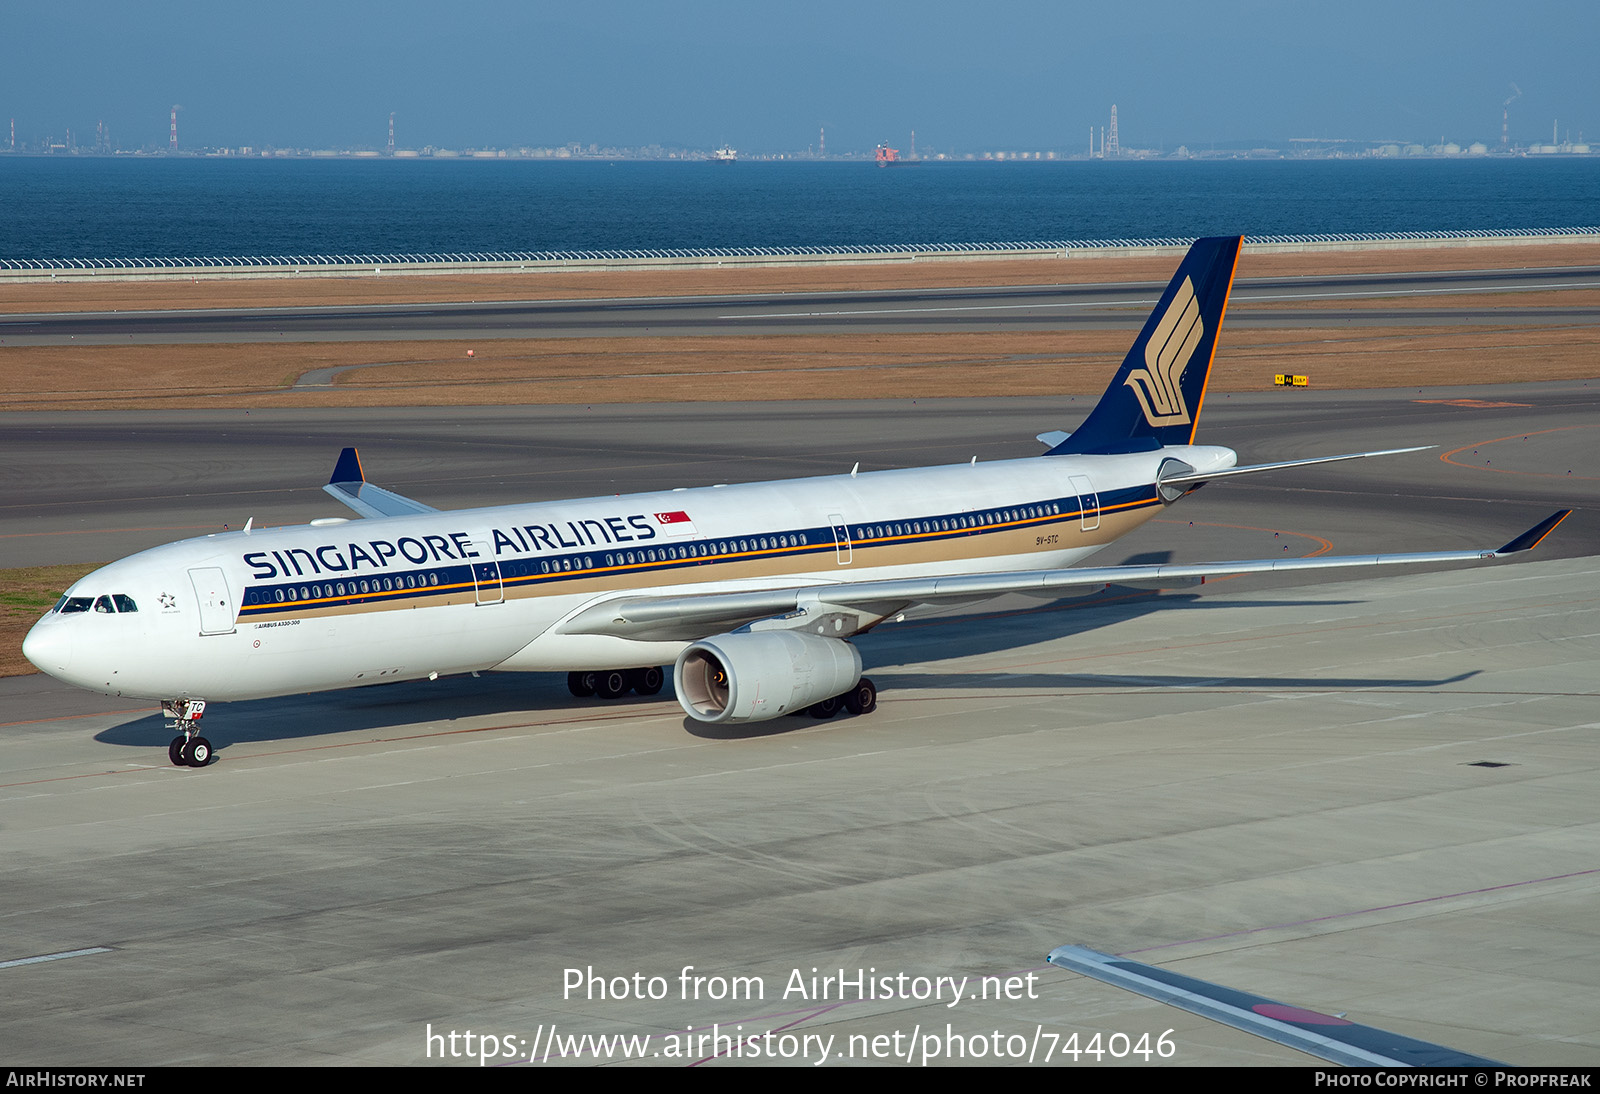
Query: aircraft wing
{"type": "Point", "coordinates": [349, 484]}
{"type": "Point", "coordinates": [688, 617]}
{"type": "Point", "coordinates": [1326, 1036]}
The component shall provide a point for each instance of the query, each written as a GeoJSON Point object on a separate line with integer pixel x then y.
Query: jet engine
{"type": "Point", "coordinates": [756, 675]}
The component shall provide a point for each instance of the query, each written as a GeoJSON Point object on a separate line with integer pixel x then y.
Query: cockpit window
{"type": "Point", "coordinates": [106, 604]}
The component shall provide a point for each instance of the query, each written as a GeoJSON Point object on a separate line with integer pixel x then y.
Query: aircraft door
{"type": "Point", "coordinates": [216, 603]}
{"type": "Point", "coordinates": [1088, 503]}
{"type": "Point", "coordinates": [841, 539]}
{"type": "Point", "coordinates": [486, 577]}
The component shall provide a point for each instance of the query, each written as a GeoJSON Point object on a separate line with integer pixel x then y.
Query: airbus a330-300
{"type": "Point", "coordinates": [750, 592]}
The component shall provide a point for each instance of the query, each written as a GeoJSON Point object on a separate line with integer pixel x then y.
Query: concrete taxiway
{"type": "Point", "coordinates": [1373, 796]}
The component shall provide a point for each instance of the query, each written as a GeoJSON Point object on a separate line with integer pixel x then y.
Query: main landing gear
{"type": "Point", "coordinates": [861, 699]}
{"type": "Point", "coordinates": [188, 748]}
{"type": "Point", "coordinates": [615, 683]}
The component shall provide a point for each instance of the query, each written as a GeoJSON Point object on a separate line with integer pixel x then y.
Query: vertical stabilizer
{"type": "Point", "coordinates": [1156, 396]}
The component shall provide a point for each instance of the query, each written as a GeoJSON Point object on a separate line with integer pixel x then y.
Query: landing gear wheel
{"type": "Point", "coordinates": [611, 684]}
{"type": "Point", "coordinates": [825, 709]}
{"type": "Point", "coordinates": [197, 753]}
{"type": "Point", "coordinates": [648, 681]}
{"type": "Point", "coordinates": [580, 684]}
{"type": "Point", "coordinates": [175, 751]}
{"type": "Point", "coordinates": [863, 698]}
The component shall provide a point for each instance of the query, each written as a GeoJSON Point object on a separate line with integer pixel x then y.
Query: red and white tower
{"type": "Point", "coordinates": [391, 132]}
{"type": "Point", "coordinates": [172, 140]}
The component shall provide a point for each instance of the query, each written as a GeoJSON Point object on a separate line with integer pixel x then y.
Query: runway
{"type": "Point", "coordinates": [1272, 787]}
{"type": "Point", "coordinates": [1095, 306]}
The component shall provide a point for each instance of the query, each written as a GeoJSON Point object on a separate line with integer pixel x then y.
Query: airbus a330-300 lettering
{"type": "Point", "coordinates": [751, 592]}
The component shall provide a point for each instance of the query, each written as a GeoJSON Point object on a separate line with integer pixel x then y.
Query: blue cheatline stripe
{"type": "Point", "coordinates": [411, 587]}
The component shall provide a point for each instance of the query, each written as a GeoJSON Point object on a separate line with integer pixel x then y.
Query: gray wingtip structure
{"type": "Point", "coordinates": [1322, 1035]}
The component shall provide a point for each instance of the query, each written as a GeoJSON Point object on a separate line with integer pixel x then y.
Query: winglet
{"type": "Point", "coordinates": [1327, 1036]}
{"type": "Point", "coordinates": [348, 469]}
{"type": "Point", "coordinates": [1534, 536]}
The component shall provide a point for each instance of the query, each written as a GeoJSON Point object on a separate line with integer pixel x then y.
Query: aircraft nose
{"type": "Point", "coordinates": [49, 647]}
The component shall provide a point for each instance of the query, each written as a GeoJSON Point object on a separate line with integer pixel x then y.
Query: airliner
{"type": "Point", "coordinates": [750, 592]}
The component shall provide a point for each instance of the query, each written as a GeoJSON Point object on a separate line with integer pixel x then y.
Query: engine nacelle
{"type": "Point", "coordinates": [753, 676]}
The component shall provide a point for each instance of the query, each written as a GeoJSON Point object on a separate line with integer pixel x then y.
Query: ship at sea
{"type": "Point", "coordinates": [724, 155]}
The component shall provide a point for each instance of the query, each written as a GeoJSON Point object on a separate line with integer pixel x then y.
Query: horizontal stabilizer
{"type": "Point", "coordinates": [1230, 472]}
{"type": "Point", "coordinates": [349, 484]}
{"type": "Point", "coordinates": [1325, 1036]}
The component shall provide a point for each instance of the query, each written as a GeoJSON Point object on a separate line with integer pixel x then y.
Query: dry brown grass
{"type": "Point", "coordinates": [712, 369]}
{"type": "Point", "coordinates": [1465, 302]}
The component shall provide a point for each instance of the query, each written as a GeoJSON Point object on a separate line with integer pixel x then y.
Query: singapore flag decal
{"type": "Point", "coordinates": [675, 524]}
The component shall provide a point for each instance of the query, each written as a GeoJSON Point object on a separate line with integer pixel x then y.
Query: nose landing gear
{"type": "Point", "coordinates": [188, 748]}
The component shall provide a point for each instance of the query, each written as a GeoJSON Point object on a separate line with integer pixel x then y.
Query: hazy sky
{"type": "Point", "coordinates": [764, 76]}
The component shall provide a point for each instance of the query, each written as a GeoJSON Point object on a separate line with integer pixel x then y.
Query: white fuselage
{"type": "Point", "coordinates": [266, 612]}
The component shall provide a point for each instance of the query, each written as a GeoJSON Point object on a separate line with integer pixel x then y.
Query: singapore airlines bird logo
{"type": "Point", "coordinates": [1166, 355]}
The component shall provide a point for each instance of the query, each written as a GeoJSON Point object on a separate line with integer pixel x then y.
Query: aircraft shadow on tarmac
{"type": "Point", "coordinates": [402, 707]}
{"type": "Point", "coordinates": [936, 639]}
{"type": "Point", "coordinates": [1056, 681]}
{"type": "Point", "coordinates": [1065, 682]}
{"type": "Point", "coordinates": [451, 702]}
